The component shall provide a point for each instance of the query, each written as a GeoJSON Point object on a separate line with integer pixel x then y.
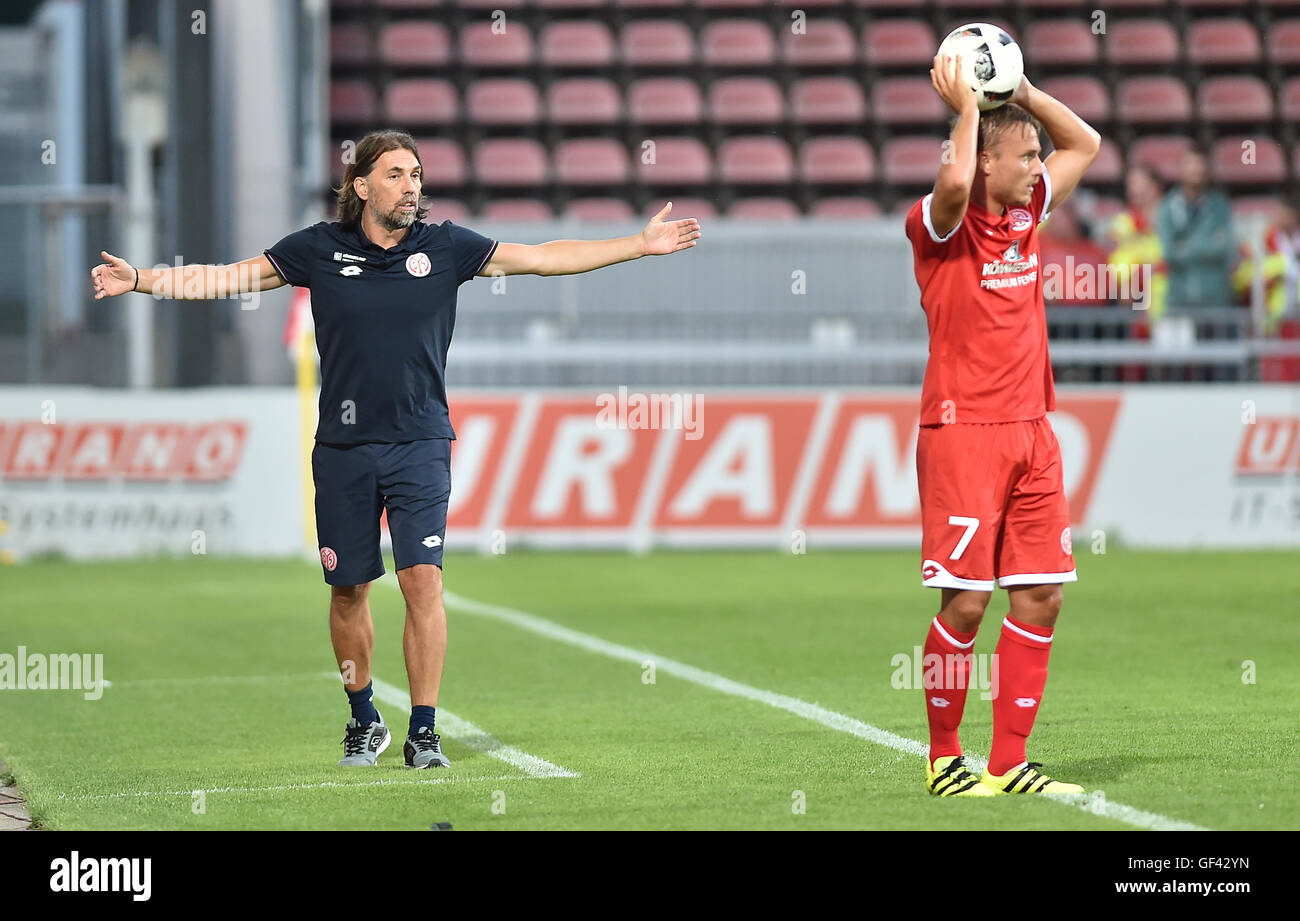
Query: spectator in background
{"type": "Point", "coordinates": [1278, 263]}
{"type": "Point", "coordinates": [1064, 247]}
{"type": "Point", "coordinates": [1134, 239]}
{"type": "Point", "coordinates": [1195, 227]}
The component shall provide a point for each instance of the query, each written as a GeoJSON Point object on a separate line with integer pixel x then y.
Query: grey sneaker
{"type": "Point", "coordinates": [362, 745]}
{"type": "Point", "coordinates": [424, 749]}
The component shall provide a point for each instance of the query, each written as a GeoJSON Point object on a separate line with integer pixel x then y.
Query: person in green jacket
{"type": "Point", "coordinates": [1195, 227]}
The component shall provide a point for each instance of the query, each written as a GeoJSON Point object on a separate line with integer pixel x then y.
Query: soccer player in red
{"type": "Point", "coordinates": [993, 503]}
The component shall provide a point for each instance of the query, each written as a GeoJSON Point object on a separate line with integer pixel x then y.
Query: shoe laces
{"type": "Point", "coordinates": [426, 741]}
{"type": "Point", "coordinates": [354, 739]}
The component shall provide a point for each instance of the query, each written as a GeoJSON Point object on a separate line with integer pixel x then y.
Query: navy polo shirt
{"type": "Point", "coordinates": [384, 319]}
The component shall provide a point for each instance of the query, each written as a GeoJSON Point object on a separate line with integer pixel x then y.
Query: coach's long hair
{"type": "Point", "coordinates": [371, 148]}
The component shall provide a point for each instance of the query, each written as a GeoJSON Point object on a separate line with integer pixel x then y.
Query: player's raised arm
{"type": "Point", "coordinates": [957, 166]}
{"type": "Point", "coordinates": [571, 257]}
{"type": "Point", "coordinates": [116, 276]}
{"type": "Point", "coordinates": [1076, 142]}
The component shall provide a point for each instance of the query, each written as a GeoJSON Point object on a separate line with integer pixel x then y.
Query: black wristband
{"type": "Point", "coordinates": [137, 279]}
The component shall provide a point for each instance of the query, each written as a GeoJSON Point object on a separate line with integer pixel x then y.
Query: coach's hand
{"type": "Point", "coordinates": [115, 276]}
{"type": "Point", "coordinates": [945, 76]}
{"type": "Point", "coordinates": [662, 237]}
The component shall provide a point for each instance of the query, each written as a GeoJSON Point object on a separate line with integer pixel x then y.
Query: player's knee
{"type": "Point", "coordinates": [348, 598]}
{"type": "Point", "coordinates": [1038, 604]}
{"type": "Point", "coordinates": [965, 609]}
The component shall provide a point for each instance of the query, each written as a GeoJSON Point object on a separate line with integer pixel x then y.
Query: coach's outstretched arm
{"type": "Point", "coordinates": [1076, 142]}
{"type": "Point", "coordinates": [186, 282]}
{"type": "Point", "coordinates": [570, 257]}
{"type": "Point", "coordinates": [957, 166]}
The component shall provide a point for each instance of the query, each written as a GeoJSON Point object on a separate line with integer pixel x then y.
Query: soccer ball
{"type": "Point", "coordinates": [991, 61]}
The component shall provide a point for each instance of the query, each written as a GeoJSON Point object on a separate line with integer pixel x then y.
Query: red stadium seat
{"type": "Point", "coordinates": [907, 101]}
{"type": "Point", "coordinates": [651, 4]}
{"type": "Point", "coordinates": [1222, 41]}
{"type": "Point", "coordinates": [827, 101]}
{"type": "Point", "coordinates": [446, 209]}
{"type": "Point", "coordinates": [418, 102]}
{"type": "Point", "coordinates": [1262, 156]}
{"type": "Point", "coordinates": [826, 43]}
{"type": "Point", "coordinates": [738, 43]}
{"type": "Point", "coordinates": [352, 101]}
{"type": "Point", "coordinates": [911, 160]}
{"type": "Point", "coordinates": [1137, 4]}
{"type": "Point", "coordinates": [510, 162]}
{"type": "Point", "coordinates": [812, 4]}
{"type": "Point", "coordinates": [443, 162]}
{"type": "Point", "coordinates": [1289, 100]}
{"type": "Point", "coordinates": [404, 4]}
{"type": "Point", "coordinates": [1161, 153]}
{"type": "Point", "coordinates": [845, 207]}
{"type": "Point", "coordinates": [489, 4]}
{"type": "Point", "coordinates": [746, 101]}
{"type": "Point", "coordinates": [1284, 42]}
{"type": "Point", "coordinates": [523, 210]}
{"type": "Point", "coordinates": [891, 5]}
{"type": "Point", "coordinates": [729, 4]}
{"type": "Point", "coordinates": [584, 101]}
{"type": "Point", "coordinates": [674, 161]}
{"type": "Point", "coordinates": [763, 209]}
{"type": "Point", "coordinates": [899, 43]}
{"type": "Point", "coordinates": [1086, 96]}
{"type": "Point", "coordinates": [1153, 101]}
{"type": "Point", "coordinates": [1060, 42]}
{"type": "Point", "coordinates": [570, 4]}
{"type": "Point", "coordinates": [665, 101]}
{"type": "Point", "coordinates": [755, 161]}
{"type": "Point", "coordinates": [577, 44]}
{"type": "Point", "coordinates": [836, 161]}
{"type": "Point", "coordinates": [414, 44]}
{"type": "Point", "coordinates": [657, 43]}
{"type": "Point", "coordinates": [1253, 207]}
{"type": "Point", "coordinates": [351, 44]}
{"type": "Point", "coordinates": [599, 209]}
{"type": "Point", "coordinates": [685, 206]}
{"type": "Point", "coordinates": [481, 47]}
{"type": "Point", "coordinates": [591, 161]}
{"type": "Point", "coordinates": [503, 101]}
{"type": "Point", "coordinates": [1139, 42]}
{"type": "Point", "coordinates": [1231, 100]}
{"type": "Point", "coordinates": [1109, 165]}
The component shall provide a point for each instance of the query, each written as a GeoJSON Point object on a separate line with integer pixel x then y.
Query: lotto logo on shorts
{"type": "Point", "coordinates": [418, 265]}
{"type": "Point", "coordinates": [328, 558]}
{"type": "Point", "coordinates": [1066, 545]}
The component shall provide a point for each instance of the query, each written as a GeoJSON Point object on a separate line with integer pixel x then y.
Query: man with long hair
{"type": "Point", "coordinates": [383, 295]}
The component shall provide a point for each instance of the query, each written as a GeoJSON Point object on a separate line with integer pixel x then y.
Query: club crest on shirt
{"type": "Point", "coordinates": [1012, 253]}
{"type": "Point", "coordinates": [418, 264]}
{"type": "Point", "coordinates": [1020, 219]}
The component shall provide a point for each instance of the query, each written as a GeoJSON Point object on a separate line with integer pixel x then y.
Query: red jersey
{"type": "Point", "coordinates": [982, 291]}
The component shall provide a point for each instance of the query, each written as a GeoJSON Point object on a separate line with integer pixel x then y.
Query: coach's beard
{"type": "Point", "coordinates": [397, 219]}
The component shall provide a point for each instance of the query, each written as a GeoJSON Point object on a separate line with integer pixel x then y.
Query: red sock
{"type": "Point", "coordinates": [945, 679]}
{"type": "Point", "coordinates": [1022, 654]}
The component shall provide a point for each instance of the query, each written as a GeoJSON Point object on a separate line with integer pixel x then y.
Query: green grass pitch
{"type": "Point", "coordinates": [216, 669]}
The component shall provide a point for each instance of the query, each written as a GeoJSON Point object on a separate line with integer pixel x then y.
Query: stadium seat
{"type": "Point", "coordinates": [352, 101]}
{"type": "Point", "coordinates": [414, 44]}
{"type": "Point", "coordinates": [1222, 41]}
{"type": "Point", "coordinates": [1153, 100]}
{"type": "Point", "coordinates": [746, 101]}
{"type": "Point", "coordinates": [510, 162]}
{"type": "Point", "coordinates": [1227, 154]}
{"type": "Point", "coordinates": [1086, 96]}
{"type": "Point", "coordinates": [404, 4]}
{"type": "Point", "coordinates": [584, 101]}
{"type": "Point", "coordinates": [657, 43]}
{"type": "Point", "coordinates": [1231, 100]}
{"type": "Point", "coordinates": [443, 162]}
{"type": "Point", "coordinates": [523, 210]}
{"type": "Point", "coordinates": [912, 160]}
{"type": "Point", "coordinates": [600, 209]}
{"type": "Point", "coordinates": [1060, 42]}
{"type": "Point", "coordinates": [1161, 153]}
{"type": "Point", "coordinates": [827, 101]}
{"type": "Point", "coordinates": [763, 209]}
{"type": "Point", "coordinates": [1142, 42]}
{"type": "Point", "coordinates": [907, 101]}
{"type": "Point", "coordinates": [836, 161]}
{"type": "Point", "coordinates": [591, 161]}
{"type": "Point", "coordinates": [446, 209]}
{"type": "Point", "coordinates": [1284, 42]}
{"type": "Point", "coordinates": [665, 101]}
{"type": "Point", "coordinates": [481, 47]}
{"type": "Point", "coordinates": [651, 4]}
{"type": "Point", "coordinates": [899, 43]}
{"type": "Point", "coordinates": [489, 4]}
{"type": "Point", "coordinates": [351, 44]}
{"type": "Point", "coordinates": [1109, 165]}
{"type": "Point", "coordinates": [738, 43]}
{"type": "Point", "coordinates": [570, 4]}
{"type": "Point", "coordinates": [684, 206]}
{"type": "Point", "coordinates": [826, 43]}
{"type": "Point", "coordinates": [812, 4]}
{"type": "Point", "coordinates": [729, 4]}
{"type": "Point", "coordinates": [755, 160]}
{"type": "Point", "coordinates": [891, 5]}
{"type": "Point", "coordinates": [846, 207]}
{"type": "Point", "coordinates": [503, 101]}
{"type": "Point", "coordinates": [1253, 207]}
{"type": "Point", "coordinates": [419, 103]}
{"type": "Point", "coordinates": [1137, 4]}
{"type": "Point", "coordinates": [1289, 100]}
{"type": "Point", "coordinates": [577, 44]}
{"type": "Point", "coordinates": [676, 161]}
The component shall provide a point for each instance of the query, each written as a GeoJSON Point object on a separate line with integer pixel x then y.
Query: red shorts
{"type": "Point", "coordinates": [993, 506]}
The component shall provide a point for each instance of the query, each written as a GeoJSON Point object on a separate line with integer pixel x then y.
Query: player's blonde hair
{"type": "Point", "coordinates": [373, 146]}
{"type": "Point", "coordinates": [995, 123]}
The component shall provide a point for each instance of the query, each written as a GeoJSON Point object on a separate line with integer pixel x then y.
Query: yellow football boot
{"type": "Point", "coordinates": [1026, 779]}
{"type": "Point", "coordinates": [949, 776]}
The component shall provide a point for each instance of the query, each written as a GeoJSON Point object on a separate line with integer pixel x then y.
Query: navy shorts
{"type": "Point", "coordinates": [355, 483]}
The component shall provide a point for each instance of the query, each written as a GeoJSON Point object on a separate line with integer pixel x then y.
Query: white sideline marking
{"type": "Point", "coordinates": [323, 785]}
{"type": "Point", "coordinates": [207, 679]}
{"type": "Point", "coordinates": [838, 721]}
